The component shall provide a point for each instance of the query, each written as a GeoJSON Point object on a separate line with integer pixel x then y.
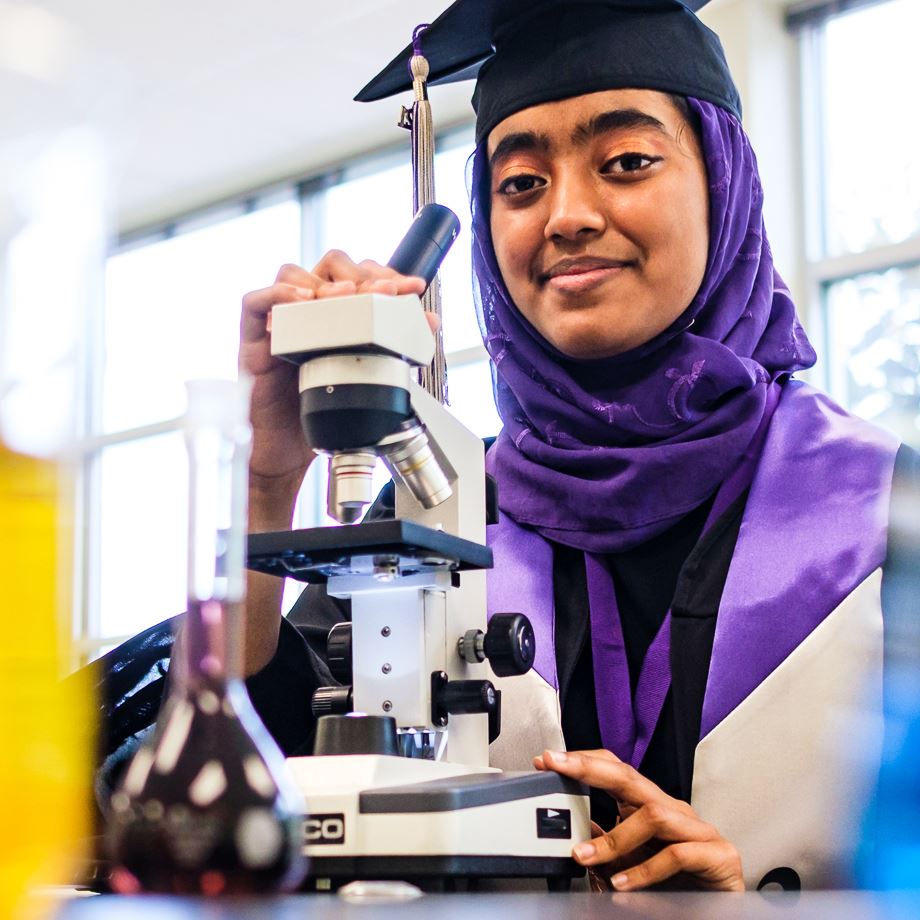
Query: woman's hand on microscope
{"type": "Point", "coordinates": [658, 839]}
{"type": "Point", "coordinates": [280, 457]}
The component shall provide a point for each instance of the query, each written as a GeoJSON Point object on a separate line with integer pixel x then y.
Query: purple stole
{"type": "Point", "coordinates": [814, 526]}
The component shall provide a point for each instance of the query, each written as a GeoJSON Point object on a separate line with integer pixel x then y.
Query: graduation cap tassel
{"type": "Point", "coordinates": [434, 377]}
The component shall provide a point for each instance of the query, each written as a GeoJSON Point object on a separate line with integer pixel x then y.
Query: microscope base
{"type": "Point", "coordinates": [382, 817]}
{"type": "Point", "coordinates": [331, 872]}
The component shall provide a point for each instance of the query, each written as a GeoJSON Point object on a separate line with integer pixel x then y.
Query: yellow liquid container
{"type": "Point", "coordinates": [45, 732]}
{"type": "Point", "coordinates": [52, 224]}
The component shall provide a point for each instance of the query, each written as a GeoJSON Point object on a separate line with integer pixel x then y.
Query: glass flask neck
{"type": "Point", "coordinates": [218, 438]}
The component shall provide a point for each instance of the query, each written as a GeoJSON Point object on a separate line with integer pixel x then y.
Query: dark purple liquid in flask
{"type": "Point", "coordinates": [206, 806]}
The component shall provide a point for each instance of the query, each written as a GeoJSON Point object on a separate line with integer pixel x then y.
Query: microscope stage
{"type": "Point", "coordinates": [319, 553]}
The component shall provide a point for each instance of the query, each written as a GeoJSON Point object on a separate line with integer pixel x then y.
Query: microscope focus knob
{"type": "Point", "coordinates": [461, 697]}
{"type": "Point", "coordinates": [510, 644]}
{"type": "Point", "coordinates": [331, 701]}
{"type": "Point", "coordinates": [338, 652]}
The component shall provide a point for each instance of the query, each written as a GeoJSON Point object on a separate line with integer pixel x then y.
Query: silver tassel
{"type": "Point", "coordinates": [434, 377]}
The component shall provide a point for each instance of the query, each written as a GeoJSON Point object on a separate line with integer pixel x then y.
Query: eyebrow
{"type": "Point", "coordinates": [614, 120]}
{"type": "Point", "coordinates": [520, 141]}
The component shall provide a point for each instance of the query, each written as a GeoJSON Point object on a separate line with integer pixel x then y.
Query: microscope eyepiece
{"type": "Point", "coordinates": [424, 246]}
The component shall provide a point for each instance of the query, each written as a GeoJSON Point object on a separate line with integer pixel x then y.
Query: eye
{"type": "Point", "coordinates": [519, 185]}
{"type": "Point", "coordinates": [629, 163]}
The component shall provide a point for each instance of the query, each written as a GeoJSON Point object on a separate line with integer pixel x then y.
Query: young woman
{"type": "Point", "coordinates": [697, 538]}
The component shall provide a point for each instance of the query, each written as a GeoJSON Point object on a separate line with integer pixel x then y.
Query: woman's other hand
{"type": "Point", "coordinates": [658, 838]}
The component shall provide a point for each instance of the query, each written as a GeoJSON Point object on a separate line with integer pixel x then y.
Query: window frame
{"type": "Point", "coordinates": [809, 20]}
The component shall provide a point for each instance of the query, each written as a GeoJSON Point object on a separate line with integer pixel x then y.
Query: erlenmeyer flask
{"type": "Point", "coordinates": [205, 805]}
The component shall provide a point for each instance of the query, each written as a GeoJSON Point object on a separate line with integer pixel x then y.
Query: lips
{"type": "Point", "coordinates": [581, 274]}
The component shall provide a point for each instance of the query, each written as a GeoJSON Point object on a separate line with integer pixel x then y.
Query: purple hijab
{"type": "Point", "coordinates": [604, 454]}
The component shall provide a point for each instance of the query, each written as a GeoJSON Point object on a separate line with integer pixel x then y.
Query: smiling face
{"type": "Point", "coordinates": [599, 217]}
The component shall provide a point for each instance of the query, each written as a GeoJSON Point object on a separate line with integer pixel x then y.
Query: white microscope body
{"type": "Point", "coordinates": [410, 622]}
{"type": "Point", "coordinates": [430, 806]}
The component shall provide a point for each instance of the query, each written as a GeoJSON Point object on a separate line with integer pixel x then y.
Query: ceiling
{"type": "Point", "coordinates": [199, 99]}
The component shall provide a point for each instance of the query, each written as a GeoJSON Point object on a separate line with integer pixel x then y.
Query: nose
{"type": "Point", "coordinates": [575, 208]}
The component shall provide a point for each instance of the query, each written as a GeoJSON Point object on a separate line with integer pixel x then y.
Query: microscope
{"type": "Point", "coordinates": [400, 786]}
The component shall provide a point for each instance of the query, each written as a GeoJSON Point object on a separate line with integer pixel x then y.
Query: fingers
{"type": "Point", "coordinates": [367, 276]}
{"type": "Point", "coordinates": [297, 276]}
{"type": "Point", "coordinates": [658, 836]}
{"type": "Point", "coordinates": [715, 865]}
{"type": "Point", "coordinates": [595, 752]}
{"type": "Point", "coordinates": [603, 770]}
{"type": "Point", "coordinates": [335, 265]}
{"type": "Point", "coordinates": [336, 275]}
{"type": "Point", "coordinates": [654, 821]}
{"type": "Point", "coordinates": [257, 306]}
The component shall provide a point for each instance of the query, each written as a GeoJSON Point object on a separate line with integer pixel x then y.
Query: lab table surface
{"type": "Point", "coordinates": [839, 905]}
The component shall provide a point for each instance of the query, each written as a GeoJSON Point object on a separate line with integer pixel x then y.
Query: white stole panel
{"type": "Point", "coordinates": [787, 774]}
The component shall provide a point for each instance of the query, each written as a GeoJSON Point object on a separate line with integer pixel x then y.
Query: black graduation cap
{"type": "Point", "coordinates": [524, 52]}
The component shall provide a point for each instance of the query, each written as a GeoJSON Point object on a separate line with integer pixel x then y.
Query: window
{"type": "Point", "coordinates": [865, 203]}
{"type": "Point", "coordinates": [172, 313]}
{"type": "Point", "coordinates": [172, 308]}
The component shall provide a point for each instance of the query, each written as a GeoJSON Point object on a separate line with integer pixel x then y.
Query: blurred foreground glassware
{"type": "Point", "coordinates": [205, 806]}
{"type": "Point", "coordinates": [52, 238]}
{"type": "Point", "coordinates": [44, 723]}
